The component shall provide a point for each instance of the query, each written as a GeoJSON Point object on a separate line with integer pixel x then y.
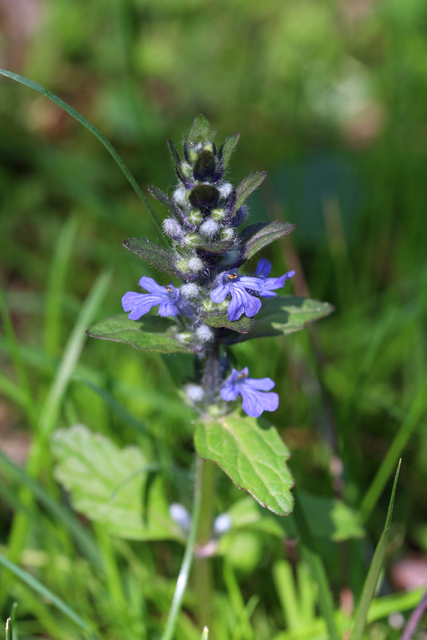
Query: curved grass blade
{"type": "Point", "coordinates": [90, 127]}
{"type": "Point", "coordinates": [315, 564]}
{"type": "Point", "coordinates": [45, 593]}
{"type": "Point", "coordinates": [375, 569]}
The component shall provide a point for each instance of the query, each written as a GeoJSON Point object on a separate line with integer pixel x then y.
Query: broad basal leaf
{"type": "Point", "coordinates": [259, 235]}
{"type": "Point", "coordinates": [150, 333]}
{"type": "Point", "coordinates": [154, 254]}
{"type": "Point", "coordinates": [282, 315]}
{"type": "Point", "coordinates": [245, 188]}
{"type": "Point", "coordinates": [253, 456]}
{"type": "Point", "coordinates": [331, 518]}
{"type": "Point", "coordinates": [219, 319]}
{"type": "Point", "coordinates": [107, 485]}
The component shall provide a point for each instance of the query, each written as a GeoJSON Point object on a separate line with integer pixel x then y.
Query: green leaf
{"type": "Point", "coordinates": [375, 568]}
{"type": "Point", "coordinates": [219, 319]}
{"type": "Point", "coordinates": [162, 197]}
{"type": "Point", "coordinates": [282, 315]}
{"type": "Point", "coordinates": [201, 131]}
{"type": "Point", "coordinates": [245, 188]}
{"type": "Point", "coordinates": [334, 520]}
{"type": "Point", "coordinates": [227, 149]}
{"type": "Point", "coordinates": [176, 158]}
{"type": "Point", "coordinates": [107, 485]}
{"type": "Point", "coordinates": [216, 247]}
{"type": "Point", "coordinates": [252, 455]}
{"type": "Point", "coordinates": [151, 333]}
{"type": "Point", "coordinates": [90, 127]}
{"type": "Point", "coordinates": [154, 254]}
{"type": "Point", "coordinates": [259, 235]}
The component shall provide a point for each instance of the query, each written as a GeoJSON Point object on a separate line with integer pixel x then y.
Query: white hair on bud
{"type": "Point", "coordinates": [225, 190]}
{"type": "Point", "coordinates": [180, 515]}
{"type": "Point", "coordinates": [172, 228]}
{"type": "Point", "coordinates": [189, 290]}
{"type": "Point", "coordinates": [204, 333]}
{"type": "Point", "coordinates": [195, 264]}
{"type": "Point", "coordinates": [209, 228]}
{"type": "Point", "coordinates": [194, 392]}
{"type": "Point", "coordinates": [228, 233]}
{"type": "Point", "coordinates": [222, 524]}
{"type": "Point", "coordinates": [179, 195]}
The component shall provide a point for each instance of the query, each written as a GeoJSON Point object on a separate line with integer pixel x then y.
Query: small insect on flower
{"type": "Point", "coordinates": [253, 392]}
{"type": "Point", "coordinates": [168, 298]}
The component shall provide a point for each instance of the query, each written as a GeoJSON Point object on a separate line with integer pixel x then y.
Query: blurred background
{"type": "Point", "coordinates": [331, 98]}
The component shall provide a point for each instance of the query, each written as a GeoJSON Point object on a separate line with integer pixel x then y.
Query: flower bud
{"type": "Point", "coordinates": [227, 234]}
{"type": "Point", "coordinates": [194, 392]}
{"type": "Point", "coordinates": [193, 240]}
{"type": "Point", "coordinates": [204, 333]}
{"type": "Point", "coordinates": [195, 217]}
{"type": "Point", "coordinates": [180, 515]}
{"type": "Point", "coordinates": [172, 228]}
{"type": "Point", "coordinates": [180, 195]}
{"type": "Point", "coordinates": [195, 264]}
{"type": "Point", "coordinates": [189, 290]}
{"type": "Point", "coordinates": [230, 257]}
{"type": "Point", "coordinates": [218, 214]}
{"type": "Point", "coordinates": [222, 524]}
{"type": "Point", "coordinates": [209, 228]}
{"type": "Point", "coordinates": [183, 266]}
{"type": "Point", "coordinates": [225, 190]}
{"type": "Point", "coordinates": [186, 170]}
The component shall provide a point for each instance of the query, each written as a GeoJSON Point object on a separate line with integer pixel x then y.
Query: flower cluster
{"type": "Point", "coordinates": [207, 251]}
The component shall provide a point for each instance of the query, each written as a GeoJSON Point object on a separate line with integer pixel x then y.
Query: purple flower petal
{"type": "Point", "coordinates": [219, 293]}
{"type": "Point", "coordinates": [253, 392]}
{"type": "Point", "coordinates": [263, 268]}
{"type": "Point", "coordinates": [151, 285]}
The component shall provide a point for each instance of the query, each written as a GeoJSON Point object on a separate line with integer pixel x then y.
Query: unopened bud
{"type": "Point", "coordinates": [225, 190]}
{"type": "Point", "coordinates": [193, 239]}
{"type": "Point", "coordinates": [222, 524]}
{"type": "Point", "coordinates": [195, 217]}
{"type": "Point", "coordinates": [183, 266]}
{"type": "Point", "coordinates": [227, 234]}
{"type": "Point", "coordinates": [204, 333]}
{"type": "Point", "coordinates": [172, 228]}
{"type": "Point", "coordinates": [218, 214]}
{"type": "Point", "coordinates": [194, 392]}
{"type": "Point", "coordinates": [180, 195]}
{"type": "Point", "coordinates": [180, 515]}
{"type": "Point", "coordinates": [186, 170]}
{"type": "Point", "coordinates": [189, 290]}
{"type": "Point", "coordinates": [209, 228]}
{"type": "Point", "coordinates": [230, 257]}
{"type": "Point", "coordinates": [195, 264]}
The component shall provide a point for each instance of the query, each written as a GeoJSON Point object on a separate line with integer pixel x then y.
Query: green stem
{"type": "Point", "coordinates": [181, 583]}
{"type": "Point", "coordinates": [203, 565]}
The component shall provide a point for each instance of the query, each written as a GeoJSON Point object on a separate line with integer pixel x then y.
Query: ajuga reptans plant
{"type": "Point", "coordinates": [214, 302]}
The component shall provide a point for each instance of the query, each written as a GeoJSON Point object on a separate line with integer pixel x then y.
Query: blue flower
{"type": "Point", "coordinates": [252, 390]}
{"type": "Point", "coordinates": [241, 300]}
{"type": "Point", "coordinates": [262, 272]}
{"type": "Point", "coordinates": [168, 299]}
{"type": "Point", "coordinates": [242, 288]}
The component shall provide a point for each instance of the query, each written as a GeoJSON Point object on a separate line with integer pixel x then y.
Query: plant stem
{"type": "Point", "coordinates": [203, 564]}
{"type": "Point", "coordinates": [181, 583]}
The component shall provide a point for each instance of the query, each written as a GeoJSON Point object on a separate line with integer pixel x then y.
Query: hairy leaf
{"type": "Point", "coordinates": [150, 333]}
{"type": "Point", "coordinates": [154, 254]}
{"type": "Point", "coordinates": [201, 131]}
{"type": "Point", "coordinates": [227, 149]}
{"type": "Point", "coordinates": [107, 485]}
{"type": "Point", "coordinates": [245, 188]}
{"type": "Point", "coordinates": [259, 235]}
{"type": "Point", "coordinates": [282, 315]}
{"type": "Point", "coordinates": [219, 319]}
{"type": "Point", "coordinates": [252, 455]}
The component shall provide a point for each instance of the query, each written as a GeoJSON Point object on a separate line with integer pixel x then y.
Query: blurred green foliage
{"type": "Point", "coordinates": [330, 99]}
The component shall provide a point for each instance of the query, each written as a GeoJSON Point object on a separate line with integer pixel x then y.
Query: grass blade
{"type": "Point", "coordinates": [375, 569]}
{"type": "Point", "coordinates": [315, 564]}
{"type": "Point", "coordinates": [44, 593]}
{"type": "Point", "coordinates": [90, 127]}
